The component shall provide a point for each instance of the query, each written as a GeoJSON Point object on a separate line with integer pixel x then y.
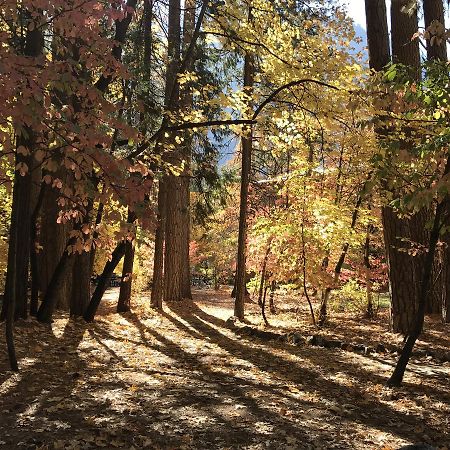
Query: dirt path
{"type": "Point", "coordinates": [184, 380]}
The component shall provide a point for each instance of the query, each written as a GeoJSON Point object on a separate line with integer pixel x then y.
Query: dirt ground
{"type": "Point", "coordinates": [184, 379]}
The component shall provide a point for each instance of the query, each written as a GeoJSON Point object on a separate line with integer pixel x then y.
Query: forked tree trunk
{"type": "Point", "coordinates": [377, 34]}
{"type": "Point", "coordinates": [124, 303]}
{"type": "Point", "coordinates": [50, 300]}
{"type": "Point", "coordinates": [103, 282]}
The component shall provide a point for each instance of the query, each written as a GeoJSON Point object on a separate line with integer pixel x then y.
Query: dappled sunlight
{"type": "Point", "coordinates": [184, 377]}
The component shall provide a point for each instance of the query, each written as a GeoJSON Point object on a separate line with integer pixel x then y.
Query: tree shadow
{"type": "Point", "coordinates": [386, 418]}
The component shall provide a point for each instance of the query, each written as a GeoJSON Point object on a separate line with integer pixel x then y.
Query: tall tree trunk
{"type": "Point", "coordinates": [172, 188]}
{"type": "Point", "coordinates": [17, 271]}
{"type": "Point", "coordinates": [433, 10]}
{"type": "Point", "coordinates": [81, 273]}
{"type": "Point", "coordinates": [377, 34]}
{"type": "Point", "coordinates": [402, 277]}
{"type": "Point", "coordinates": [415, 331]}
{"type": "Point", "coordinates": [34, 265]}
{"type": "Point", "coordinates": [403, 268]}
{"type": "Point", "coordinates": [173, 268]}
{"type": "Point", "coordinates": [81, 286]}
{"type": "Point", "coordinates": [186, 104]}
{"type": "Point", "coordinates": [124, 303]}
{"type": "Point", "coordinates": [9, 298]}
{"type": "Point", "coordinates": [157, 293]}
{"type": "Point", "coordinates": [404, 25]}
{"type": "Point", "coordinates": [247, 144]}
{"type": "Point", "coordinates": [53, 239]}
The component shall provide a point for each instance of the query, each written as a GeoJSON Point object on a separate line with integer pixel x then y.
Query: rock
{"type": "Point", "coordinates": [316, 340]}
{"type": "Point", "coordinates": [295, 338]}
{"type": "Point", "coordinates": [380, 348]}
{"type": "Point", "coordinates": [231, 321]}
{"type": "Point", "coordinates": [360, 348]}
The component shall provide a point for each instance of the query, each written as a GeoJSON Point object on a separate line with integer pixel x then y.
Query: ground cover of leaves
{"type": "Point", "coordinates": [183, 379]}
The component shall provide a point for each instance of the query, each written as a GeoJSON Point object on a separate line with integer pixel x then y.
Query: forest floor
{"type": "Point", "coordinates": [185, 379]}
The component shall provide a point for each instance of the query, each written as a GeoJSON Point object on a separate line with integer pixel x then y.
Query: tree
{"type": "Point", "coordinates": [124, 303]}
{"type": "Point", "coordinates": [404, 269]}
{"type": "Point", "coordinates": [246, 148]}
{"type": "Point", "coordinates": [30, 48]}
{"type": "Point", "coordinates": [433, 12]}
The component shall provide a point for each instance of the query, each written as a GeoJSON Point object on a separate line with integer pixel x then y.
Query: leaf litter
{"type": "Point", "coordinates": [184, 379]}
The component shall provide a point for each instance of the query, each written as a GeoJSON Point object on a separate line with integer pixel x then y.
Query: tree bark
{"type": "Point", "coordinates": [9, 298]}
{"type": "Point", "coordinates": [272, 299]}
{"type": "Point", "coordinates": [263, 272]}
{"type": "Point", "coordinates": [53, 239]}
{"type": "Point", "coordinates": [446, 277]}
{"type": "Point", "coordinates": [157, 293]}
{"type": "Point", "coordinates": [247, 144]}
{"type": "Point", "coordinates": [405, 50]}
{"type": "Point", "coordinates": [186, 104]}
{"type": "Point", "coordinates": [172, 183]}
{"type": "Point", "coordinates": [377, 34]}
{"type": "Point", "coordinates": [415, 331]}
{"type": "Point", "coordinates": [81, 285]}
{"type": "Point", "coordinates": [34, 265]}
{"type": "Point", "coordinates": [124, 303]}
{"type": "Point", "coordinates": [50, 300]}
{"type": "Point", "coordinates": [103, 282]}
{"type": "Point", "coordinates": [433, 10]}
{"type": "Point", "coordinates": [401, 266]}
{"type": "Point", "coordinates": [81, 273]}
{"type": "Point", "coordinates": [17, 270]}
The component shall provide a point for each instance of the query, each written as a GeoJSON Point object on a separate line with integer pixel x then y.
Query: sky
{"type": "Point", "coordinates": [356, 11]}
